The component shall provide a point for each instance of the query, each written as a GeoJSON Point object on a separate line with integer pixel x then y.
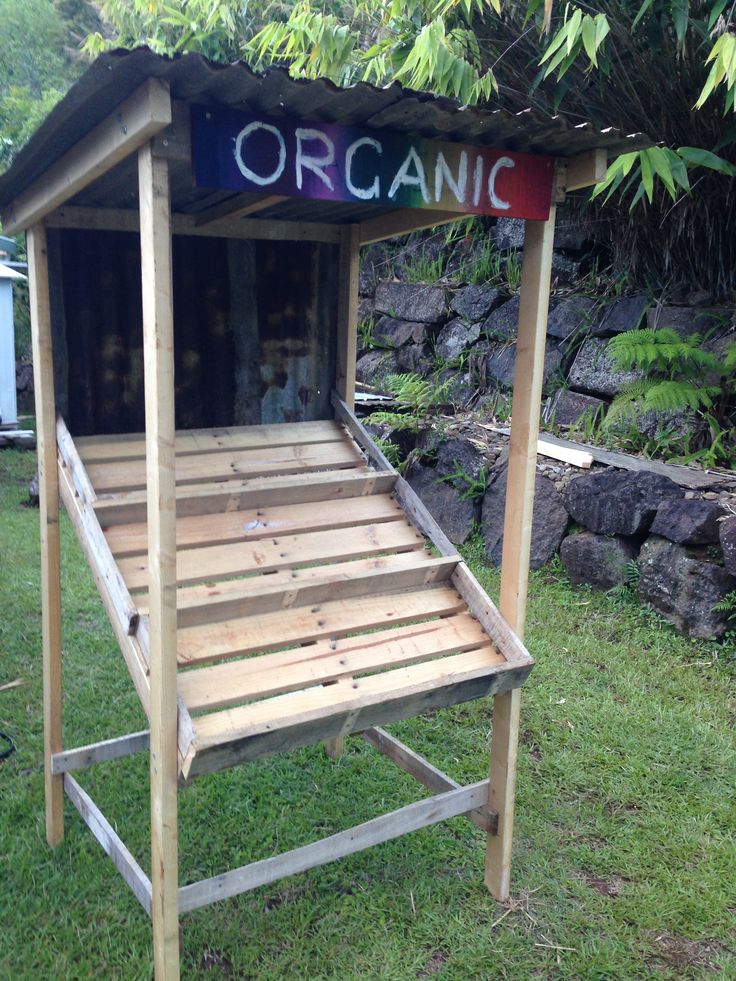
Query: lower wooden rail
{"type": "Point", "coordinates": [113, 845]}
{"type": "Point", "coordinates": [384, 828]}
{"type": "Point", "coordinates": [103, 752]}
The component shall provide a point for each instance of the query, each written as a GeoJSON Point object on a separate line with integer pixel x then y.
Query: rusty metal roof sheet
{"type": "Point", "coordinates": [116, 74]}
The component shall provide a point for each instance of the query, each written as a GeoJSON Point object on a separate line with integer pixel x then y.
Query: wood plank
{"type": "Point", "coordinates": [584, 169]}
{"type": "Point", "coordinates": [257, 523]}
{"type": "Point", "coordinates": [303, 625]}
{"type": "Point", "coordinates": [133, 650]}
{"type": "Point", "coordinates": [525, 410]}
{"type": "Point", "coordinates": [70, 456]}
{"type": "Point", "coordinates": [118, 602]}
{"type": "Point", "coordinates": [226, 561]}
{"type": "Point", "coordinates": [235, 495]}
{"type": "Point", "coordinates": [132, 446]}
{"type": "Point", "coordinates": [131, 475]}
{"type": "Point", "coordinates": [402, 221]}
{"type": "Point", "coordinates": [159, 481]}
{"type": "Point", "coordinates": [422, 770]}
{"type": "Point", "coordinates": [236, 682]}
{"type": "Point", "coordinates": [126, 220]}
{"type": "Point", "coordinates": [302, 718]}
{"type": "Point", "coordinates": [49, 515]}
{"type": "Point", "coordinates": [140, 116]}
{"type": "Point", "coordinates": [234, 208]}
{"type": "Point", "coordinates": [110, 841]}
{"type": "Point", "coordinates": [383, 828]}
{"type": "Point", "coordinates": [315, 584]}
{"type": "Point", "coordinates": [347, 313]}
{"type": "Point", "coordinates": [101, 752]}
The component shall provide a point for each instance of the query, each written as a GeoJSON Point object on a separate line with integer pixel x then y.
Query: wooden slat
{"type": "Point", "coordinates": [226, 561]}
{"type": "Point", "coordinates": [98, 449]}
{"type": "Point", "coordinates": [584, 169]}
{"type": "Point", "coordinates": [315, 584]}
{"type": "Point", "coordinates": [234, 495]}
{"type": "Point", "coordinates": [71, 458]}
{"type": "Point", "coordinates": [347, 313]}
{"type": "Point", "coordinates": [102, 752]}
{"type": "Point", "coordinates": [140, 116]}
{"type": "Point", "coordinates": [130, 475]}
{"type": "Point", "coordinates": [423, 771]}
{"type": "Point", "coordinates": [210, 688]}
{"type": "Point", "coordinates": [305, 717]}
{"type": "Point", "coordinates": [49, 525]}
{"type": "Point", "coordinates": [247, 635]}
{"type": "Point", "coordinates": [235, 207]}
{"type": "Point", "coordinates": [402, 221]}
{"type": "Point", "coordinates": [257, 523]}
{"type": "Point", "coordinates": [110, 841]}
{"type": "Point", "coordinates": [384, 828]}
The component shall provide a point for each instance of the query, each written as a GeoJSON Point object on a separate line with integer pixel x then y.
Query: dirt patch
{"type": "Point", "coordinates": [284, 897]}
{"type": "Point", "coordinates": [216, 960]}
{"type": "Point", "coordinates": [436, 961]}
{"type": "Point", "coordinates": [607, 887]}
{"type": "Point", "coordinates": [686, 955]}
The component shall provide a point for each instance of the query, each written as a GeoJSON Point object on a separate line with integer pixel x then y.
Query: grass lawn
{"type": "Point", "coordinates": [624, 860]}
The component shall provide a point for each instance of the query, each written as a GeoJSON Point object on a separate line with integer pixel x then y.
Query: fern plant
{"type": "Point", "coordinates": [679, 374]}
{"type": "Point", "coordinates": [416, 396]}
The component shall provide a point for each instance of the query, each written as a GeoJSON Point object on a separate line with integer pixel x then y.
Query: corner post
{"type": "Point", "coordinates": [517, 530]}
{"type": "Point", "coordinates": [347, 349]}
{"type": "Point", "coordinates": [158, 354]}
{"type": "Point", "coordinates": [48, 484]}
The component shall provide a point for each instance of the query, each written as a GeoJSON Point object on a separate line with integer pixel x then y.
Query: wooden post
{"type": "Point", "coordinates": [158, 354]}
{"type": "Point", "coordinates": [48, 483]}
{"type": "Point", "coordinates": [517, 531]}
{"type": "Point", "coordinates": [347, 313]}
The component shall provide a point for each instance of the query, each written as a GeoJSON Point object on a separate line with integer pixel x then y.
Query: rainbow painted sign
{"type": "Point", "coordinates": [326, 162]}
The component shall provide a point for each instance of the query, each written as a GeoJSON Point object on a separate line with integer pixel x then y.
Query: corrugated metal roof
{"type": "Point", "coordinates": [116, 74]}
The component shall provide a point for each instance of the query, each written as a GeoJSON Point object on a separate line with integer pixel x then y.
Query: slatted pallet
{"type": "Point", "coordinates": [310, 603]}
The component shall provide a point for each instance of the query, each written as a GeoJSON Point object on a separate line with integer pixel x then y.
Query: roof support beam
{"type": "Point", "coordinates": [235, 208]}
{"type": "Point", "coordinates": [134, 122]}
{"type": "Point", "coordinates": [584, 170]}
{"type": "Point", "coordinates": [402, 221]}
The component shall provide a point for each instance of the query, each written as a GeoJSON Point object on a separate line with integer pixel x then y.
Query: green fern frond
{"type": "Point", "coordinates": [675, 396]}
{"type": "Point", "coordinates": [662, 350]}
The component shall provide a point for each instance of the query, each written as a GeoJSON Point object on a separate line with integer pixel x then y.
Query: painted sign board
{"type": "Point", "coordinates": [326, 162]}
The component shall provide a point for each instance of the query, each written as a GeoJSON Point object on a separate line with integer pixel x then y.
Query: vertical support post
{"type": "Point", "coordinates": [517, 531]}
{"type": "Point", "coordinates": [347, 348]}
{"type": "Point", "coordinates": [158, 356]}
{"type": "Point", "coordinates": [48, 484]}
{"type": "Point", "coordinates": [347, 313]}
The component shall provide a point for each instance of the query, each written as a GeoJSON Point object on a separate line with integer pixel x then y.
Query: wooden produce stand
{"type": "Point", "coordinates": [193, 238]}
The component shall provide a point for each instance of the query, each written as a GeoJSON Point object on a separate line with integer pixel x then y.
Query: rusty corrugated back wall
{"type": "Point", "coordinates": [254, 327]}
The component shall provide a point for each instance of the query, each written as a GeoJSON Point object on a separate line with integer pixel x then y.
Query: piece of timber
{"type": "Point", "coordinates": [71, 458]}
{"type": "Point", "coordinates": [237, 682]}
{"type": "Point", "coordinates": [98, 449]}
{"type": "Point", "coordinates": [131, 474]}
{"type": "Point", "coordinates": [102, 752]}
{"type": "Point", "coordinates": [235, 208]}
{"type": "Point", "coordinates": [584, 170]}
{"type": "Point", "coordinates": [256, 523]}
{"type": "Point", "coordinates": [423, 771]}
{"type": "Point", "coordinates": [303, 718]}
{"type": "Point", "coordinates": [226, 561]}
{"type": "Point", "coordinates": [298, 587]}
{"type": "Point", "coordinates": [420, 814]}
{"type": "Point", "coordinates": [124, 220]}
{"type": "Point", "coordinates": [479, 603]}
{"type": "Point", "coordinates": [104, 568]}
{"type": "Point", "coordinates": [93, 544]}
{"type": "Point", "coordinates": [231, 495]}
{"type": "Point", "coordinates": [303, 625]}
{"type": "Point", "coordinates": [111, 843]}
{"type": "Point", "coordinates": [402, 221]}
{"type": "Point", "coordinates": [128, 127]}
{"type": "Point", "coordinates": [347, 312]}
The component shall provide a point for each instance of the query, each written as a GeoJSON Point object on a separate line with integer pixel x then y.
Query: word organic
{"type": "Point", "coordinates": [232, 150]}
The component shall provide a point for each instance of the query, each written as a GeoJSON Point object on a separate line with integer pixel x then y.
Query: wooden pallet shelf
{"type": "Point", "coordinates": [300, 619]}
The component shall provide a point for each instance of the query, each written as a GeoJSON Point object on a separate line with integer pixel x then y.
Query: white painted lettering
{"type": "Point", "coordinates": [442, 174]}
{"type": "Point", "coordinates": [410, 180]}
{"type": "Point", "coordinates": [244, 169]}
{"type": "Point", "coordinates": [500, 164]}
{"type": "Point", "coordinates": [364, 193]}
{"type": "Point", "coordinates": [477, 180]}
{"type": "Point", "coordinates": [315, 164]}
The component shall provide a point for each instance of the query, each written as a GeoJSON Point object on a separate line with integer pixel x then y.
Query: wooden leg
{"type": "Point", "coordinates": [158, 353]}
{"type": "Point", "coordinates": [528, 372]}
{"type": "Point", "coordinates": [49, 505]}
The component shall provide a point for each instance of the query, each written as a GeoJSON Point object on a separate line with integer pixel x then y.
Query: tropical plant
{"type": "Point", "coordinates": [417, 397]}
{"type": "Point", "coordinates": [678, 374]}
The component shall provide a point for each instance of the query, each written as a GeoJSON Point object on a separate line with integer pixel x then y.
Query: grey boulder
{"type": "Point", "coordinates": [618, 503]}
{"type": "Point", "coordinates": [599, 560]}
